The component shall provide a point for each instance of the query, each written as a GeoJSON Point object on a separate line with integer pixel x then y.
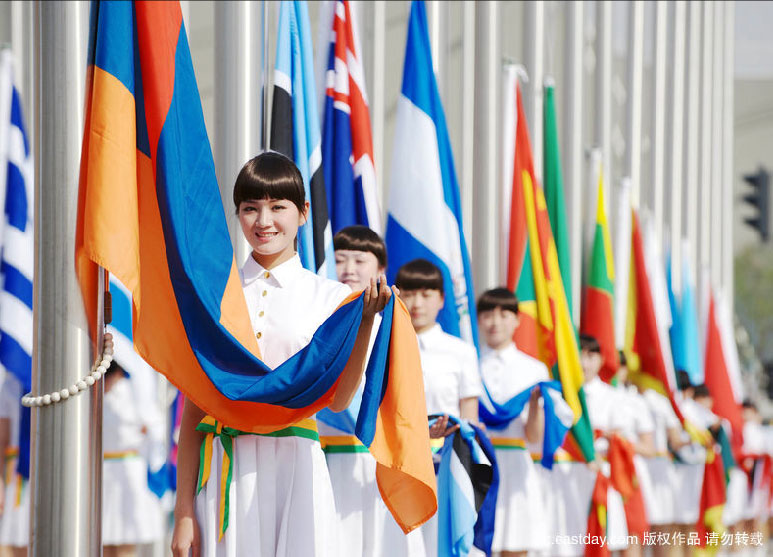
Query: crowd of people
{"type": "Point", "coordinates": [311, 489]}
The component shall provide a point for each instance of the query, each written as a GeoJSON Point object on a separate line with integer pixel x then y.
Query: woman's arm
{"type": "Point", "coordinates": [352, 373]}
{"type": "Point", "coordinates": [186, 531]}
{"type": "Point", "coordinates": [535, 423]}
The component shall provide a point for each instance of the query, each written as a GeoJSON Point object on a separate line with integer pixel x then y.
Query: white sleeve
{"type": "Point", "coordinates": [469, 382]}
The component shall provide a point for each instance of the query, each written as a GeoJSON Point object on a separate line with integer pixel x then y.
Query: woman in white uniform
{"type": "Point", "coordinates": [365, 523]}
{"type": "Point", "coordinates": [131, 513]}
{"type": "Point", "coordinates": [449, 365]}
{"type": "Point", "coordinates": [281, 501]}
{"type": "Point", "coordinates": [520, 525]}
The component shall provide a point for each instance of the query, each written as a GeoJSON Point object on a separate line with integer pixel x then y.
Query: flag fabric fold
{"type": "Point", "coordinates": [347, 144]}
{"type": "Point", "coordinates": [17, 241]}
{"type": "Point", "coordinates": [295, 131]}
{"type": "Point", "coordinates": [599, 303]}
{"type": "Point", "coordinates": [465, 478]}
{"type": "Point", "coordinates": [516, 262]}
{"type": "Point", "coordinates": [558, 415]}
{"type": "Point", "coordinates": [146, 159]}
{"type": "Point", "coordinates": [554, 193]}
{"type": "Point", "coordinates": [597, 519]}
{"type": "Point", "coordinates": [649, 360]}
{"type": "Point", "coordinates": [686, 345]}
{"type": "Point", "coordinates": [718, 375]}
{"type": "Point", "coordinates": [424, 217]}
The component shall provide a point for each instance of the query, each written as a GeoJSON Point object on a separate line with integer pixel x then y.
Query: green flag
{"type": "Point", "coordinates": [554, 194]}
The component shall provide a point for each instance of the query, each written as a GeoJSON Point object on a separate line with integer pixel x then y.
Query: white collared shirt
{"type": "Point", "coordinates": [506, 373]}
{"type": "Point", "coordinates": [663, 418]}
{"type": "Point", "coordinates": [450, 369]}
{"type": "Point", "coordinates": [287, 304]}
{"type": "Point", "coordinates": [509, 371]}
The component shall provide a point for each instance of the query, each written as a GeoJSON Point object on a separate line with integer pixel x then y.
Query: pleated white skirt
{"type": "Point", "coordinates": [131, 513]}
{"type": "Point", "coordinates": [281, 501]}
{"type": "Point", "coordinates": [365, 523]}
{"type": "Point", "coordinates": [521, 518]}
{"type": "Point", "coordinates": [658, 472]}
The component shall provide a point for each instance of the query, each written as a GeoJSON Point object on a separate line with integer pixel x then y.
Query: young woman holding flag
{"type": "Point", "coordinates": [278, 501]}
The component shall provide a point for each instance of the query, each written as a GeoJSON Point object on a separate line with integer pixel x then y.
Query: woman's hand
{"type": "Point", "coordinates": [440, 428]}
{"type": "Point", "coordinates": [186, 538]}
{"type": "Point", "coordinates": [375, 300]}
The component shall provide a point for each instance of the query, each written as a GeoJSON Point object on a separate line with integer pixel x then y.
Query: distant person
{"type": "Point", "coordinates": [520, 524]}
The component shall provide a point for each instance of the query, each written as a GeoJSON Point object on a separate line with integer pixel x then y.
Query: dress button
{"type": "Point", "coordinates": [265, 292]}
{"type": "Point", "coordinates": [266, 274]}
{"type": "Point", "coordinates": [258, 334]}
{"type": "Point", "coordinates": [261, 314]}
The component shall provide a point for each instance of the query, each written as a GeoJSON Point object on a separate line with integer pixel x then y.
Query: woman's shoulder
{"type": "Point", "coordinates": [323, 288]}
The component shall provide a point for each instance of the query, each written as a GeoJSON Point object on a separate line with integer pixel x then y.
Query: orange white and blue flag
{"type": "Point", "coordinates": [150, 213]}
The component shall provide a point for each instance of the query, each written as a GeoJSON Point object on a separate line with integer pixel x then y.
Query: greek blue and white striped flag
{"type": "Point", "coordinates": [424, 218]}
{"type": "Point", "coordinates": [295, 131]}
{"type": "Point", "coordinates": [17, 243]}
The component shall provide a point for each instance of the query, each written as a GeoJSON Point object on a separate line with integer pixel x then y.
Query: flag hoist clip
{"type": "Point", "coordinates": [98, 370]}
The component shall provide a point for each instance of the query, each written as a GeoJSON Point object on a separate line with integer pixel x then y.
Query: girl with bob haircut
{"type": "Point", "coordinates": [280, 500]}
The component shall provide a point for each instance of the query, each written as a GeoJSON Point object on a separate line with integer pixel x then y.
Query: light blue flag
{"type": "Point", "coordinates": [17, 240]}
{"type": "Point", "coordinates": [466, 477]}
{"type": "Point", "coordinates": [684, 331]}
{"type": "Point", "coordinates": [424, 212]}
{"type": "Point", "coordinates": [295, 131]}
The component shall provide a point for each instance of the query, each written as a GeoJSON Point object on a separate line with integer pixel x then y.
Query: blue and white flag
{"type": "Point", "coordinates": [347, 144]}
{"type": "Point", "coordinates": [17, 241]}
{"type": "Point", "coordinates": [424, 218]}
{"type": "Point", "coordinates": [468, 481]}
{"type": "Point", "coordinates": [145, 389]}
{"type": "Point", "coordinates": [295, 131]}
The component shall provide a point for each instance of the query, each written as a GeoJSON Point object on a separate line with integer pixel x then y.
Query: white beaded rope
{"type": "Point", "coordinates": [98, 370]}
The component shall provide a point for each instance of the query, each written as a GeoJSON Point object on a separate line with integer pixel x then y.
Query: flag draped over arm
{"type": "Point", "coordinates": [17, 240]}
{"type": "Point", "coordinates": [295, 131]}
{"type": "Point", "coordinates": [150, 213]}
{"type": "Point", "coordinates": [347, 145]}
{"type": "Point", "coordinates": [555, 334]}
{"type": "Point", "coordinates": [424, 218]}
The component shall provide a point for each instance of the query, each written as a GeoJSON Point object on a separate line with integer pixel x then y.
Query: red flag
{"type": "Point", "coordinates": [624, 480]}
{"type": "Point", "coordinates": [597, 519]}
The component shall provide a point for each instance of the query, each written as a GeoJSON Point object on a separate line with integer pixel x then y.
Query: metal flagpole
{"type": "Point", "coordinates": [658, 120]}
{"type": "Point", "coordinates": [468, 115]}
{"type": "Point", "coordinates": [675, 142]}
{"type": "Point", "coordinates": [534, 56]}
{"type": "Point", "coordinates": [67, 437]}
{"type": "Point", "coordinates": [238, 95]}
{"type": "Point", "coordinates": [486, 148]}
{"type": "Point", "coordinates": [603, 109]}
{"type": "Point", "coordinates": [634, 105]}
{"type": "Point", "coordinates": [704, 193]}
{"type": "Point", "coordinates": [728, 181]}
{"type": "Point", "coordinates": [717, 144]}
{"type": "Point", "coordinates": [571, 147]}
{"type": "Point", "coordinates": [692, 137]}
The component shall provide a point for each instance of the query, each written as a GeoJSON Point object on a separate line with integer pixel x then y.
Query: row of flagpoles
{"type": "Point", "coordinates": [333, 148]}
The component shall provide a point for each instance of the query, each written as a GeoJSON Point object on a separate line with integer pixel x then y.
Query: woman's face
{"type": "Point", "coordinates": [271, 225]}
{"type": "Point", "coordinates": [498, 327]}
{"type": "Point", "coordinates": [355, 268]}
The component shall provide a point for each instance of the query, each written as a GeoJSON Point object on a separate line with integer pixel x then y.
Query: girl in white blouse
{"type": "Point", "coordinates": [281, 501]}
